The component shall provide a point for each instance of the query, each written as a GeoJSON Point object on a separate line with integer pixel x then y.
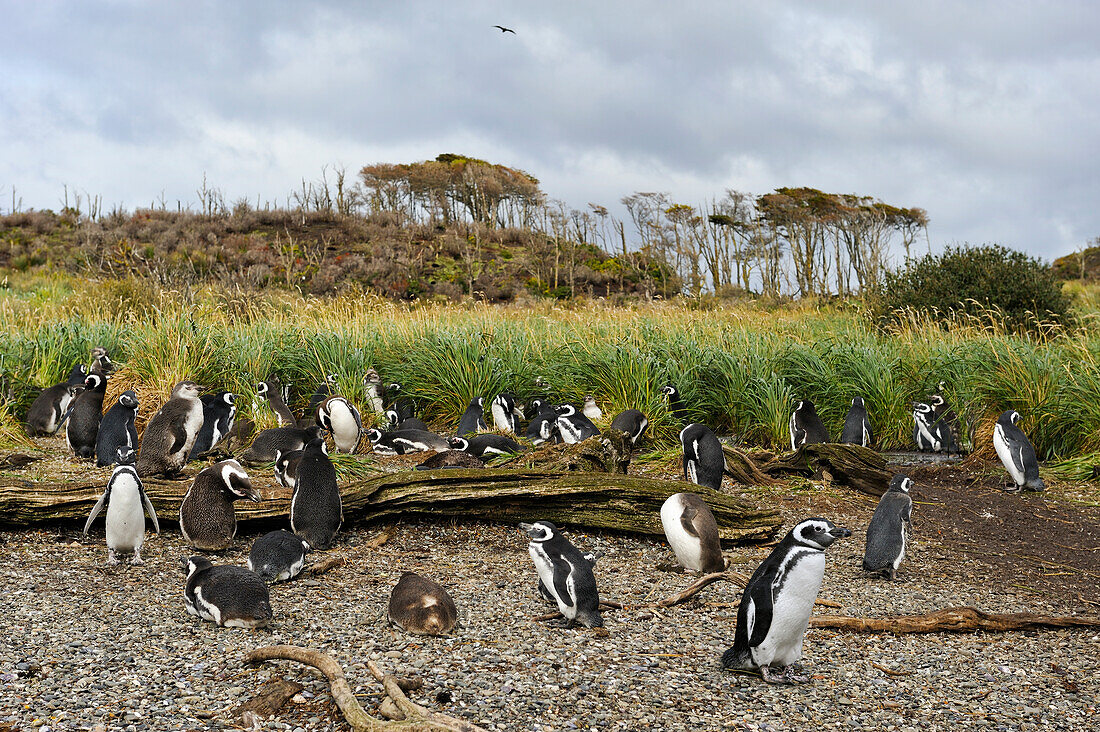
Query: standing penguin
{"type": "Point", "coordinates": [544, 425]}
{"type": "Point", "coordinates": [171, 433]}
{"type": "Point", "coordinates": [376, 393]}
{"type": "Point", "coordinates": [704, 460]}
{"type": "Point", "coordinates": [574, 426]}
{"type": "Point", "coordinates": [925, 434]}
{"type": "Point", "coordinates": [591, 409]}
{"type": "Point", "coordinates": [84, 418]}
{"type": "Point", "coordinates": [857, 428]}
{"type": "Point", "coordinates": [422, 607]}
{"type": "Point", "coordinates": [286, 467]}
{"type": "Point", "coordinates": [117, 429]}
{"type": "Point", "coordinates": [52, 403]}
{"type": "Point", "coordinates": [231, 596]}
{"type": "Point", "coordinates": [692, 533]}
{"type": "Point", "coordinates": [632, 422]}
{"type": "Point", "coordinates": [337, 415]}
{"type": "Point", "coordinates": [101, 361]}
{"type": "Point", "coordinates": [888, 532]}
{"type": "Point", "coordinates": [316, 512]}
{"type": "Point", "coordinates": [473, 419]}
{"type": "Point", "coordinates": [566, 574]}
{"type": "Point", "coordinates": [806, 427]}
{"type": "Point", "coordinates": [776, 604]}
{"type": "Point", "coordinates": [945, 423]}
{"type": "Point", "coordinates": [401, 403]}
{"type": "Point", "coordinates": [506, 414]}
{"type": "Point", "coordinates": [270, 392]}
{"type": "Point", "coordinates": [1017, 454]}
{"type": "Point", "coordinates": [127, 503]}
{"type": "Point", "coordinates": [277, 556]}
{"type": "Point", "coordinates": [218, 412]}
{"type": "Point", "coordinates": [207, 519]}
{"type": "Point", "coordinates": [675, 403]}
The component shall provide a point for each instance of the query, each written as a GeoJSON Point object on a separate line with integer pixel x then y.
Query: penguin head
{"type": "Point", "coordinates": [392, 418]}
{"type": "Point", "coordinates": [395, 387]}
{"type": "Point", "coordinates": [229, 398]}
{"type": "Point", "coordinates": [76, 376]}
{"type": "Point", "coordinates": [458, 443]}
{"type": "Point", "coordinates": [193, 564]}
{"type": "Point", "coordinates": [330, 379]}
{"type": "Point", "coordinates": [236, 481]}
{"type": "Point", "coordinates": [921, 410]}
{"type": "Point", "coordinates": [1013, 416]}
{"type": "Point", "coordinates": [540, 531]}
{"type": "Point", "coordinates": [818, 533]}
{"type": "Point", "coordinates": [670, 391]}
{"type": "Point", "coordinates": [128, 399]}
{"type": "Point", "coordinates": [372, 377]}
{"type": "Point", "coordinates": [857, 402]}
{"type": "Point", "coordinates": [125, 455]}
{"type": "Point", "coordinates": [318, 444]}
{"type": "Point", "coordinates": [565, 410]}
{"type": "Point", "coordinates": [186, 390]}
{"type": "Point", "coordinates": [374, 435]}
{"type": "Point", "coordinates": [99, 352]}
{"type": "Point", "coordinates": [262, 388]}
{"type": "Point", "coordinates": [94, 381]}
{"type": "Point", "coordinates": [478, 402]}
{"type": "Point", "coordinates": [536, 404]}
{"type": "Point", "coordinates": [901, 483]}
{"type": "Point", "coordinates": [937, 401]}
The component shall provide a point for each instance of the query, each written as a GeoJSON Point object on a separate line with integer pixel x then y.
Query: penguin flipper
{"type": "Point", "coordinates": [687, 519]}
{"type": "Point", "coordinates": [761, 595]}
{"type": "Point", "coordinates": [150, 510]}
{"type": "Point", "coordinates": [179, 436]}
{"type": "Point", "coordinates": [96, 509]}
{"type": "Point", "coordinates": [562, 570]}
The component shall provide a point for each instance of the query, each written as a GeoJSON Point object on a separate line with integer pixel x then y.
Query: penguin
{"type": "Point", "coordinates": [127, 503]}
{"type": "Point", "coordinates": [218, 413]}
{"type": "Point", "coordinates": [544, 425]}
{"type": "Point", "coordinates": [117, 429]}
{"type": "Point", "coordinates": [277, 556]}
{"type": "Point", "coordinates": [487, 444]}
{"type": "Point", "coordinates": [85, 415]}
{"type": "Point", "coordinates": [101, 361]}
{"type": "Point", "coordinates": [857, 428]}
{"type": "Point", "coordinates": [776, 603]}
{"type": "Point", "coordinates": [270, 442]}
{"type": "Point", "coordinates": [692, 533]}
{"type": "Point", "coordinates": [888, 532]}
{"type": "Point", "coordinates": [403, 442]}
{"type": "Point", "coordinates": [323, 392]}
{"type": "Point", "coordinates": [704, 459]}
{"type": "Point", "coordinates": [270, 392]}
{"type": "Point", "coordinates": [421, 607]}
{"type": "Point", "coordinates": [545, 593]}
{"type": "Point", "coordinates": [945, 423]}
{"type": "Point", "coordinates": [1017, 454]}
{"type": "Point", "coordinates": [806, 427]}
{"type": "Point", "coordinates": [401, 403]}
{"type": "Point", "coordinates": [675, 403]}
{"type": "Point", "coordinates": [52, 403]}
{"type": "Point", "coordinates": [207, 519]}
{"type": "Point", "coordinates": [286, 467]}
{"type": "Point", "coordinates": [925, 435]}
{"type": "Point", "coordinates": [473, 420]}
{"type": "Point", "coordinates": [412, 423]}
{"type": "Point", "coordinates": [591, 409]}
{"type": "Point", "coordinates": [316, 512]}
{"type": "Point", "coordinates": [565, 573]}
{"type": "Point", "coordinates": [234, 597]}
{"type": "Point", "coordinates": [337, 415]}
{"type": "Point", "coordinates": [574, 426]}
{"type": "Point", "coordinates": [376, 393]}
{"type": "Point", "coordinates": [632, 422]}
{"type": "Point", "coordinates": [506, 415]}
{"type": "Point", "coordinates": [171, 433]}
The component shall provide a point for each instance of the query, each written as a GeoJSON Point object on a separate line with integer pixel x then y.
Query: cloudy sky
{"type": "Point", "coordinates": [984, 115]}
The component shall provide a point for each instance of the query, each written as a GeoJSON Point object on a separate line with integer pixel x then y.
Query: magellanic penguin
{"type": "Point", "coordinates": [704, 459]}
{"type": "Point", "coordinates": [544, 593]}
{"type": "Point", "coordinates": [404, 442]}
{"type": "Point", "coordinates": [412, 423]}
{"type": "Point", "coordinates": [486, 445]}
{"type": "Point", "coordinates": [52, 403]}
{"type": "Point", "coordinates": [591, 409]}
{"type": "Point", "coordinates": [207, 519]}
{"type": "Point", "coordinates": [337, 415]}
{"type": "Point", "coordinates": [1017, 453]}
{"type": "Point", "coordinates": [946, 423]}
{"type": "Point", "coordinates": [231, 596]}
{"type": "Point", "coordinates": [692, 533]}
{"type": "Point", "coordinates": [857, 427]}
{"type": "Point", "coordinates": [376, 393]}
{"type": "Point", "coordinates": [806, 427]}
{"type": "Point", "coordinates": [573, 426]}
{"type": "Point", "coordinates": [888, 532]}
{"type": "Point", "coordinates": [277, 556]}
{"type": "Point", "coordinates": [325, 389]}
{"type": "Point", "coordinates": [117, 429]}
{"type": "Point", "coordinates": [101, 361]}
{"type": "Point", "coordinates": [270, 442]}
{"type": "Point", "coordinates": [171, 433]}
{"type": "Point", "coordinates": [270, 391]}
{"type": "Point", "coordinates": [401, 403]}
{"type": "Point", "coordinates": [218, 412]}
{"type": "Point", "coordinates": [286, 467]}
{"type": "Point", "coordinates": [506, 415]}
{"type": "Point", "coordinates": [544, 424]}
{"type": "Point", "coordinates": [473, 419]}
{"type": "Point", "coordinates": [632, 422]}
{"type": "Point", "coordinates": [422, 607]}
{"type": "Point", "coordinates": [566, 574]}
{"type": "Point", "coordinates": [776, 604]}
{"type": "Point", "coordinates": [85, 415]}
{"type": "Point", "coordinates": [127, 503]}
{"type": "Point", "coordinates": [925, 435]}
{"type": "Point", "coordinates": [316, 512]}
{"type": "Point", "coordinates": [676, 404]}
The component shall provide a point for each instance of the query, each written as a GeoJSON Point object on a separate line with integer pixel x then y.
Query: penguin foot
{"type": "Point", "coordinates": [772, 677]}
{"type": "Point", "coordinates": [112, 560]}
{"type": "Point", "coordinates": [791, 676]}
{"type": "Point", "coordinates": [561, 623]}
{"type": "Point", "coordinates": [136, 560]}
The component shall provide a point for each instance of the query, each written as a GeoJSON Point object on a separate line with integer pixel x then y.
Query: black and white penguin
{"type": "Point", "coordinates": [324, 390]}
{"type": "Point", "coordinates": [85, 415]}
{"type": "Point", "coordinates": [506, 415]}
{"type": "Point", "coordinates": [632, 422]}
{"type": "Point", "coordinates": [337, 415]}
{"type": "Point", "coordinates": [692, 533]}
{"type": "Point", "coordinates": [888, 532]}
{"type": "Point", "coordinates": [422, 607]}
{"type": "Point", "coordinates": [591, 410]}
{"type": "Point", "coordinates": [171, 433]}
{"type": "Point", "coordinates": [776, 604]}
{"type": "Point", "coordinates": [404, 442]}
{"type": "Point", "coordinates": [101, 361]}
{"type": "Point", "coordinates": [316, 512]}
{"type": "Point", "coordinates": [945, 423]}
{"type": "Point", "coordinates": [230, 596]}
{"type": "Point", "coordinates": [271, 392]}
{"type": "Point", "coordinates": [925, 434]}
{"type": "Point", "coordinates": [207, 519]}
{"type": "Point", "coordinates": [117, 429]}
{"type": "Point", "coordinates": [574, 426]}
{"type": "Point", "coordinates": [1017, 453]}
{"type": "Point", "coordinates": [486, 444]}
{"type": "Point", "coordinates": [411, 423]}
{"type": "Point", "coordinates": [473, 419]}
{"type": "Point", "coordinates": [218, 412]}
{"type": "Point", "coordinates": [806, 427]}
{"type": "Point", "coordinates": [286, 467]}
{"type": "Point", "coordinates": [676, 404]}
{"type": "Point", "coordinates": [400, 402]}
{"type": "Point", "coordinates": [127, 503]}
{"type": "Point", "coordinates": [544, 593]}
{"type": "Point", "coordinates": [566, 574]}
{"type": "Point", "coordinates": [857, 428]}
{"type": "Point", "coordinates": [270, 442]}
{"type": "Point", "coordinates": [376, 393]}
{"type": "Point", "coordinates": [277, 556]}
{"type": "Point", "coordinates": [544, 424]}
{"type": "Point", "coordinates": [704, 459]}
{"type": "Point", "coordinates": [52, 403]}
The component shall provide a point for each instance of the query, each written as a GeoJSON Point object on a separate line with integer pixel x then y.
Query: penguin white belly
{"type": "Point", "coordinates": [345, 431]}
{"type": "Point", "coordinates": [55, 419]}
{"type": "Point", "coordinates": [500, 418]}
{"type": "Point", "coordinates": [866, 441]}
{"type": "Point", "coordinates": [687, 548]}
{"type": "Point", "coordinates": [929, 439]}
{"type": "Point", "coordinates": [791, 607]}
{"type": "Point", "coordinates": [568, 433]}
{"type": "Point", "coordinates": [1004, 452]}
{"type": "Point", "coordinates": [125, 517]}
{"type": "Point", "coordinates": [376, 403]}
{"type": "Point", "coordinates": [904, 542]}
{"type": "Point", "coordinates": [192, 423]}
{"type": "Point", "coordinates": [692, 470]}
{"type": "Point", "coordinates": [206, 610]}
{"type": "Point", "coordinates": [546, 573]}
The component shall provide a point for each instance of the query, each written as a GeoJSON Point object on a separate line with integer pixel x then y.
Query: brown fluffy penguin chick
{"type": "Point", "coordinates": [421, 606]}
{"type": "Point", "coordinates": [207, 519]}
{"type": "Point", "coordinates": [168, 438]}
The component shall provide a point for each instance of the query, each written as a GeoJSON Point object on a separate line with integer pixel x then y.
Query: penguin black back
{"type": "Point", "coordinates": [271, 392]}
{"type": "Point", "coordinates": [857, 427]}
{"type": "Point", "coordinates": [806, 427]}
{"type": "Point", "coordinates": [218, 412]}
{"type": "Point", "coordinates": [676, 404]}
{"type": "Point", "coordinates": [87, 412]}
{"type": "Point", "coordinates": [285, 439]}
{"type": "Point", "coordinates": [632, 422]}
{"type": "Point", "coordinates": [888, 532]}
{"type": "Point", "coordinates": [45, 413]}
{"type": "Point", "coordinates": [117, 429]}
{"type": "Point", "coordinates": [473, 420]}
{"type": "Point", "coordinates": [316, 512]}
{"type": "Point", "coordinates": [704, 459]}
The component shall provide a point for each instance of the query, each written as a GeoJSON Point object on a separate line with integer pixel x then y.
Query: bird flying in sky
{"type": "Point", "coordinates": [505, 30]}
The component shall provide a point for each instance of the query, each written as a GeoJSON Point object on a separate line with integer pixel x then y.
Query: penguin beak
{"type": "Point", "coordinates": [527, 528]}
{"type": "Point", "coordinates": [839, 532]}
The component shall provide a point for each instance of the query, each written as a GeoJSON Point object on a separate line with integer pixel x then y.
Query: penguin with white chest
{"type": "Point", "coordinates": [888, 532]}
{"type": "Point", "coordinates": [566, 574]}
{"type": "Point", "coordinates": [127, 503]}
{"type": "Point", "coordinates": [925, 435]}
{"type": "Point", "coordinates": [316, 511]}
{"type": "Point", "coordinates": [692, 533]}
{"type": "Point", "coordinates": [286, 467]}
{"type": "Point", "coordinates": [337, 415]}
{"type": "Point", "coordinates": [207, 519]}
{"type": "Point", "coordinates": [806, 426]}
{"type": "Point", "coordinates": [218, 412]}
{"type": "Point", "coordinates": [278, 556]}
{"type": "Point", "coordinates": [270, 392]}
{"type": "Point", "coordinates": [857, 427]}
{"type": "Point", "coordinates": [85, 415]}
{"type": "Point", "coordinates": [52, 403]}
{"type": "Point", "coordinates": [233, 597]}
{"type": "Point", "coordinates": [543, 427]}
{"type": "Point", "coordinates": [117, 429]}
{"type": "Point", "coordinates": [171, 433]}
{"type": "Point", "coordinates": [506, 415]}
{"type": "Point", "coordinates": [704, 459]}
{"type": "Point", "coordinates": [777, 601]}
{"type": "Point", "coordinates": [574, 426]}
{"type": "Point", "coordinates": [1017, 454]}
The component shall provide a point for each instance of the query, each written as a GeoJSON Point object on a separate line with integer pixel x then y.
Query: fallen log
{"type": "Point", "coordinates": [273, 695]}
{"type": "Point", "coordinates": [953, 620]}
{"type": "Point", "coordinates": [851, 466]}
{"type": "Point", "coordinates": [744, 470]}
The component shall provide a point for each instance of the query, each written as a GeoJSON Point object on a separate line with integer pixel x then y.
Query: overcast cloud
{"type": "Point", "coordinates": [985, 115]}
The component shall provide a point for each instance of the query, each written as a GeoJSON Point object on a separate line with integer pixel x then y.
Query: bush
{"type": "Point", "coordinates": [973, 280]}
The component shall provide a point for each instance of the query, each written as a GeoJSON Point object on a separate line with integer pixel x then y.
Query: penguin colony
{"type": "Point", "coordinates": [776, 603]}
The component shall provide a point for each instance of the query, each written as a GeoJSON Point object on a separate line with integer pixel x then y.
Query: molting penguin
{"type": "Point", "coordinates": [692, 533]}
{"type": "Point", "coordinates": [270, 391]}
{"type": "Point", "coordinates": [127, 503]}
{"type": "Point", "coordinates": [376, 393]}
{"type": "Point", "coordinates": [337, 415]}
{"type": "Point", "coordinates": [806, 427]}
{"type": "Point", "coordinates": [857, 428]}
{"type": "Point", "coordinates": [676, 404]}
{"type": "Point", "coordinates": [277, 556]}
{"type": "Point", "coordinates": [171, 433]}
{"type": "Point", "coordinates": [207, 519]}
{"type": "Point", "coordinates": [403, 442]}
{"type": "Point", "coordinates": [888, 532]}
{"type": "Point", "coordinates": [420, 606]}
{"type": "Point", "coordinates": [574, 426]}
{"type": "Point", "coordinates": [117, 429]}
{"type": "Point", "coordinates": [544, 425]}
{"type": "Point", "coordinates": [101, 361]}
{"type": "Point", "coordinates": [218, 412]}
{"type": "Point", "coordinates": [566, 574]}
{"type": "Point", "coordinates": [473, 420]}
{"type": "Point", "coordinates": [925, 435]}
{"type": "Point", "coordinates": [52, 403]}
{"type": "Point", "coordinates": [270, 442]}
{"type": "Point", "coordinates": [632, 422]}
{"type": "Point", "coordinates": [704, 460]}
{"type": "Point", "coordinates": [486, 444]}
{"type": "Point", "coordinates": [776, 604]}
{"type": "Point", "coordinates": [506, 415]}
{"type": "Point", "coordinates": [286, 467]}
{"type": "Point", "coordinates": [1017, 453]}
{"type": "Point", "coordinates": [85, 416]}
{"type": "Point", "coordinates": [231, 596]}
{"type": "Point", "coordinates": [316, 512]}
{"type": "Point", "coordinates": [591, 409]}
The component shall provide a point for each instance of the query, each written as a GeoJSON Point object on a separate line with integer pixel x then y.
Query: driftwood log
{"type": "Point", "coordinates": [953, 620]}
{"type": "Point", "coordinates": [851, 466]}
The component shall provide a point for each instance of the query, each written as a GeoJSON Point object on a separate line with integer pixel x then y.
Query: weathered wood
{"type": "Point", "coordinates": [953, 620]}
{"type": "Point", "coordinates": [851, 466]}
{"type": "Point", "coordinates": [744, 470]}
{"type": "Point", "coordinates": [273, 695]}
{"type": "Point", "coordinates": [606, 453]}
